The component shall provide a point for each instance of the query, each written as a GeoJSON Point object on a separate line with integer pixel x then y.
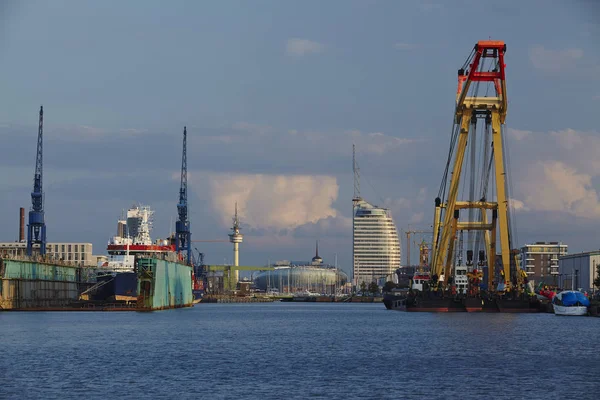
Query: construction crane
{"type": "Point", "coordinates": [484, 69]}
{"type": "Point", "coordinates": [408, 233]}
{"type": "Point", "coordinates": [183, 235]}
{"type": "Point", "coordinates": [36, 229]}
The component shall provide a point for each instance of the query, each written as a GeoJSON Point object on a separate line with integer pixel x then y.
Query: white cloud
{"type": "Point", "coordinates": [519, 134]}
{"type": "Point", "coordinates": [300, 47]}
{"type": "Point", "coordinates": [273, 201]}
{"type": "Point", "coordinates": [556, 186]}
{"type": "Point", "coordinates": [379, 143]}
{"type": "Point", "coordinates": [339, 226]}
{"type": "Point", "coordinates": [554, 61]}
{"type": "Point", "coordinates": [405, 46]}
{"type": "Point", "coordinates": [518, 205]}
{"type": "Point", "coordinates": [579, 149]}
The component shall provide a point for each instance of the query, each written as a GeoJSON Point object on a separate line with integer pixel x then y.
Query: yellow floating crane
{"type": "Point", "coordinates": [483, 70]}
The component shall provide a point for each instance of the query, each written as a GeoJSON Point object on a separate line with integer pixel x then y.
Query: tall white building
{"type": "Point", "coordinates": [376, 248]}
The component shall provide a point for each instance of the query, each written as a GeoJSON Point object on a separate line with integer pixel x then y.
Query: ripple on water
{"type": "Point", "coordinates": [297, 351]}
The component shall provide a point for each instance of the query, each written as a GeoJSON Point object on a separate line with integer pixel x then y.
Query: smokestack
{"type": "Point", "coordinates": [22, 224]}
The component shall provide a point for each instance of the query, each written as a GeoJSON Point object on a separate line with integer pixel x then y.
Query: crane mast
{"type": "Point", "coordinates": [182, 227]}
{"type": "Point", "coordinates": [36, 228]}
{"type": "Point", "coordinates": [469, 108]}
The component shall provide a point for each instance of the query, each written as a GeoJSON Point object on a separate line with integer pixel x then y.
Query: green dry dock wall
{"type": "Point", "coordinates": [29, 284]}
{"type": "Point", "coordinates": [171, 284]}
{"type": "Point", "coordinates": [14, 269]}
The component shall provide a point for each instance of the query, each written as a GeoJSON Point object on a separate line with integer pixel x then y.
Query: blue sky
{"type": "Point", "coordinates": [274, 93]}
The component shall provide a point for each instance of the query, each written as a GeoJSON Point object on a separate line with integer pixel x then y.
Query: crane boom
{"type": "Point", "coordinates": [36, 229]}
{"type": "Point", "coordinates": [468, 109]}
{"type": "Point", "coordinates": [182, 227]}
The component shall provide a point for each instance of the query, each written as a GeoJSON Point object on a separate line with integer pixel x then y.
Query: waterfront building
{"type": "Point", "coordinates": [300, 276]}
{"type": "Point", "coordinates": [578, 271]}
{"type": "Point", "coordinates": [540, 261]}
{"type": "Point", "coordinates": [76, 253]}
{"type": "Point", "coordinates": [376, 247]}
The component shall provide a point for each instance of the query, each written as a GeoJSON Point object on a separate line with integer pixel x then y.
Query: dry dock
{"type": "Point", "coordinates": [30, 284]}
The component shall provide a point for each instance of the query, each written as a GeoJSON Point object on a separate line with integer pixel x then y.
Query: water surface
{"type": "Point", "coordinates": [297, 351]}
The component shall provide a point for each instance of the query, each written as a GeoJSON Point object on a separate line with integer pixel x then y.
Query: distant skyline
{"type": "Point", "coordinates": [274, 94]}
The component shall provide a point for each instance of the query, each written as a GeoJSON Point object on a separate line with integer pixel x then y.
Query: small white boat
{"type": "Point", "coordinates": [570, 302]}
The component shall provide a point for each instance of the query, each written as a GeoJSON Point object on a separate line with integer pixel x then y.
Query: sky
{"type": "Point", "coordinates": [274, 94]}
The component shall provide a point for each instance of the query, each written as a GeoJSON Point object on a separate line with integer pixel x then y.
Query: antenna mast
{"type": "Point", "coordinates": [356, 172]}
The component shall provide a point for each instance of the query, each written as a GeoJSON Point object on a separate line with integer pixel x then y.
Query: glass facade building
{"type": "Point", "coordinates": [295, 277]}
{"type": "Point", "coordinates": [376, 248]}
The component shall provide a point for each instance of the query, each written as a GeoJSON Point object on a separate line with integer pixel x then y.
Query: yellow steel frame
{"type": "Point", "coordinates": [443, 248]}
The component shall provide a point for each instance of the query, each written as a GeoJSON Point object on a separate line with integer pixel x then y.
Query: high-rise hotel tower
{"type": "Point", "coordinates": [376, 248]}
{"type": "Point", "coordinates": [375, 244]}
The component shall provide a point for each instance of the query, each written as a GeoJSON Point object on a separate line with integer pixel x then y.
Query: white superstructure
{"type": "Point", "coordinates": [133, 236]}
{"type": "Point", "coordinates": [376, 248]}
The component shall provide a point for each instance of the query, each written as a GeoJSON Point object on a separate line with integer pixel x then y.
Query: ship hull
{"type": "Point", "coordinates": [570, 310]}
{"type": "Point", "coordinates": [120, 286]}
{"type": "Point", "coordinates": [392, 302]}
{"type": "Point", "coordinates": [511, 305]}
{"type": "Point", "coordinates": [424, 304]}
{"type": "Point", "coordinates": [473, 304]}
{"type": "Point", "coordinates": [163, 285]}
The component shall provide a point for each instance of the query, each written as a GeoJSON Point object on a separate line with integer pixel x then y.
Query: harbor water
{"type": "Point", "coordinates": [297, 351]}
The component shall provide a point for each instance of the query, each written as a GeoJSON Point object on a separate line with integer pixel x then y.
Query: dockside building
{"type": "Point", "coordinates": [75, 253]}
{"type": "Point", "coordinates": [376, 248]}
{"type": "Point", "coordinates": [540, 261]}
{"type": "Point", "coordinates": [578, 271]}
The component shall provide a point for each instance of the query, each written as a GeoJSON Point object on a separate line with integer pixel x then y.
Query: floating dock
{"type": "Point", "coordinates": [30, 284]}
{"type": "Point", "coordinates": [163, 284]}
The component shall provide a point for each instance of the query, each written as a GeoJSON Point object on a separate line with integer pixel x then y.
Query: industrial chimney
{"type": "Point", "coordinates": [21, 224]}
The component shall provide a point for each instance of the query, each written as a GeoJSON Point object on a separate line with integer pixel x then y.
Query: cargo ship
{"type": "Point", "coordinates": [116, 277]}
{"type": "Point", "coordinates": [138, 270]}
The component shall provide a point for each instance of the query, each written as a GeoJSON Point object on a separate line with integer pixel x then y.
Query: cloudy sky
{"type": "Point", "coordinates": [274, 94]}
